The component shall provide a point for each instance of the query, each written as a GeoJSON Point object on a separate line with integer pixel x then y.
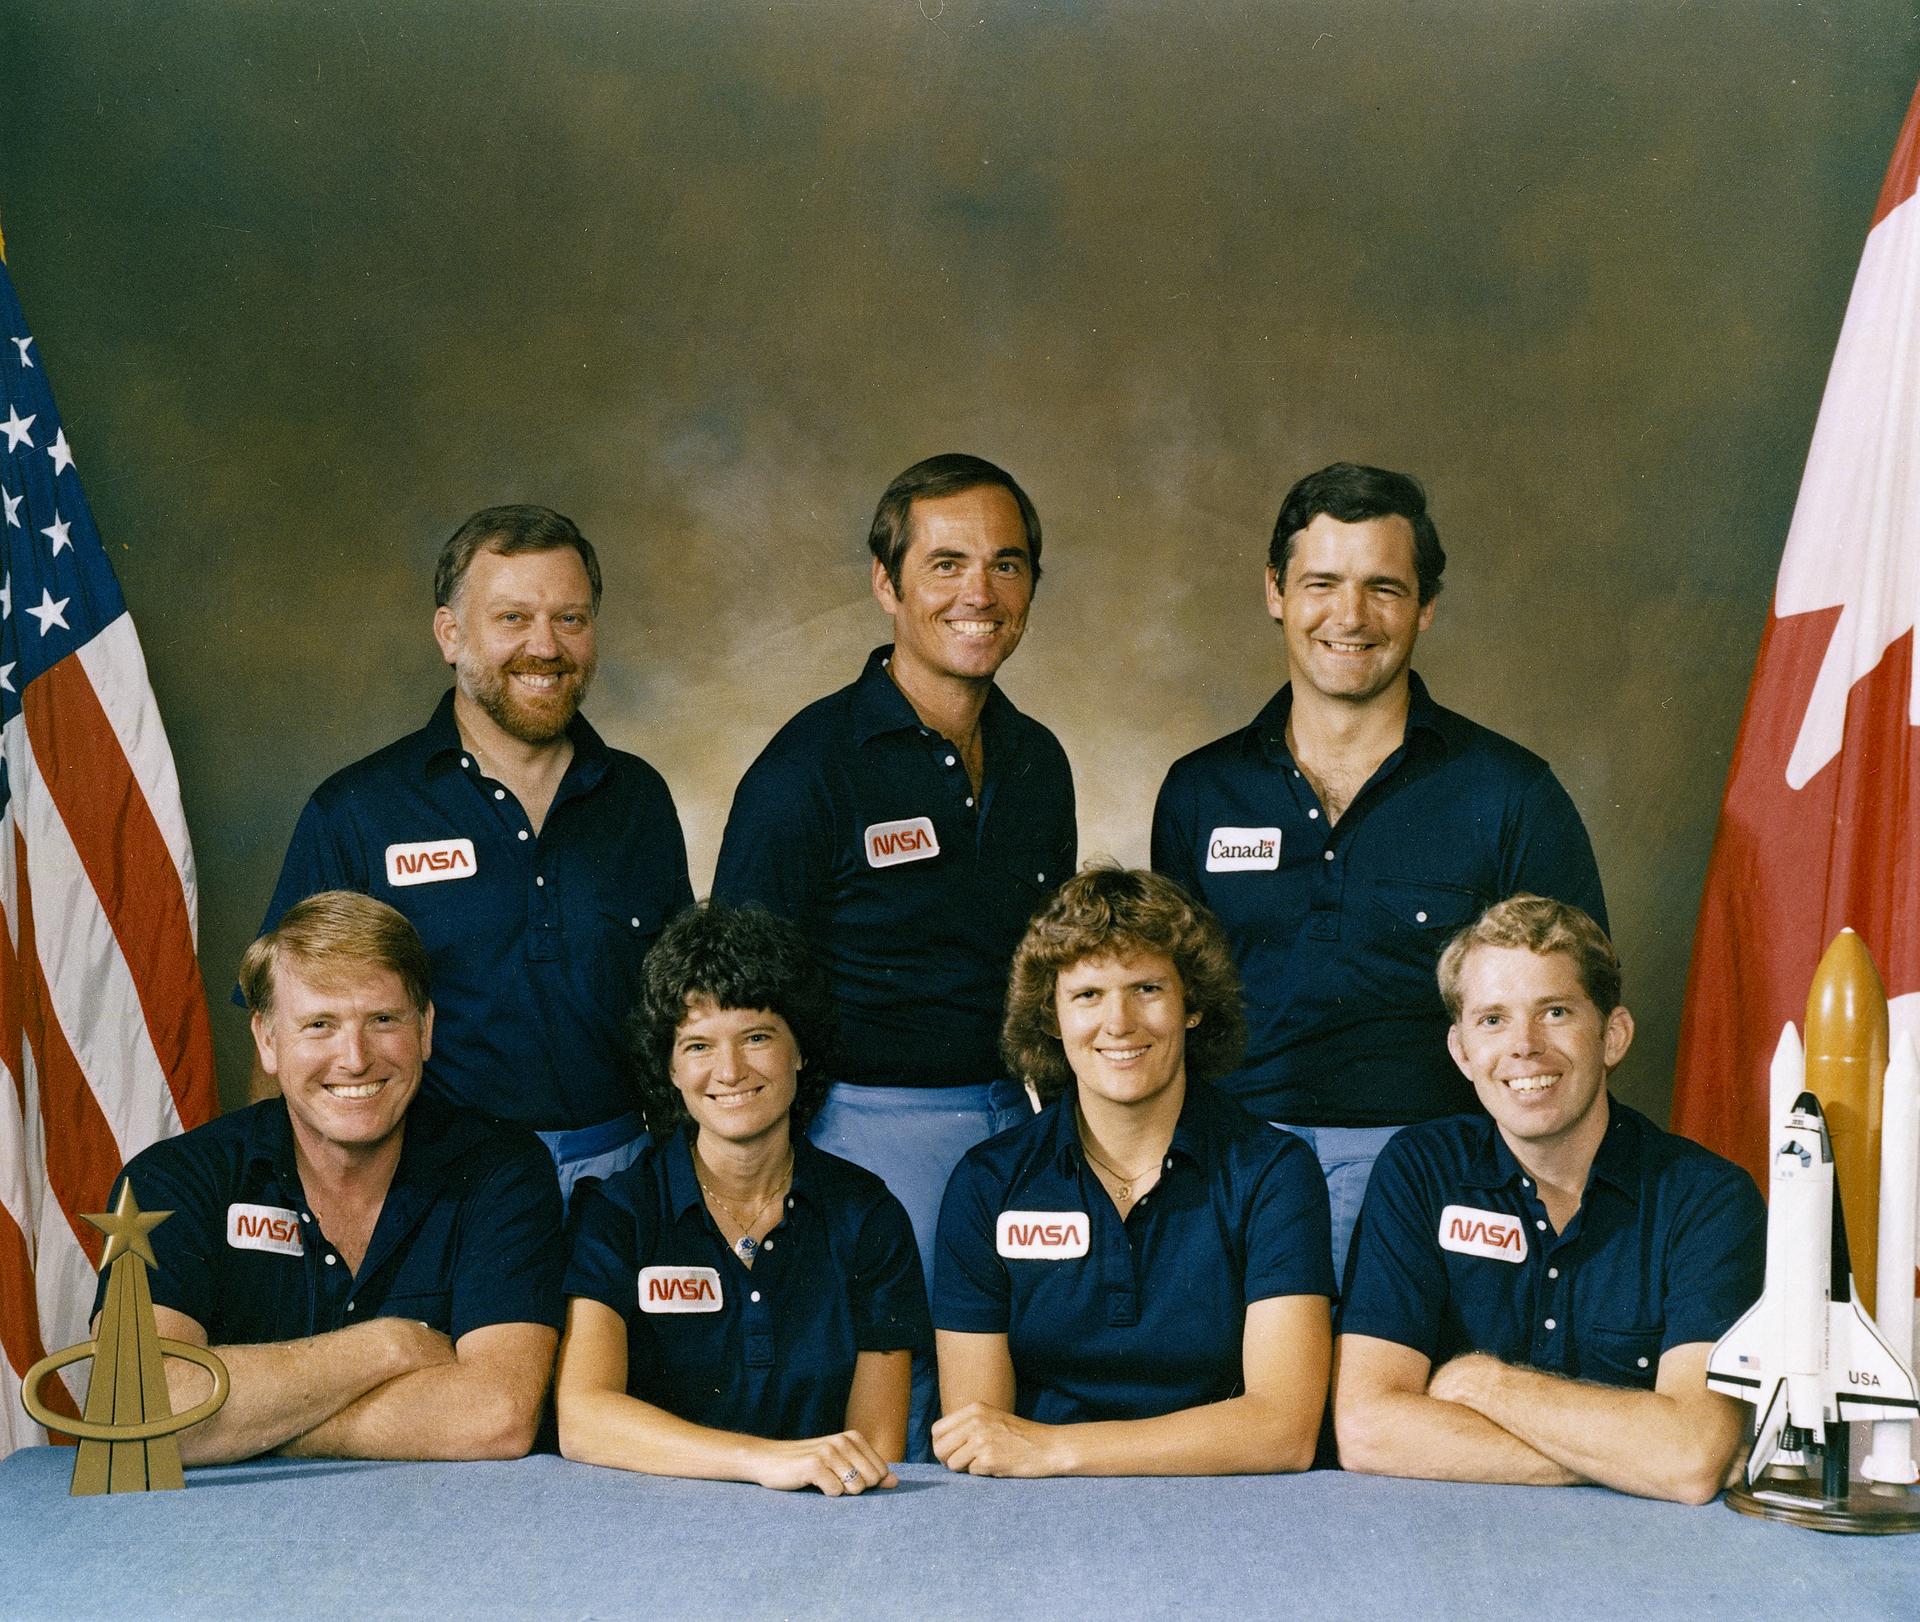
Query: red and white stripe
{"type": "Point", "coordinates": [104, 1037]}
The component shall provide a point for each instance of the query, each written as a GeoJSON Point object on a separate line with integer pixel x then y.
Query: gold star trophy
{"type": "Point", "coordinates": [127, 1435]}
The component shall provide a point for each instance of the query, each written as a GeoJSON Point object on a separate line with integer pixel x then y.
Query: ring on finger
{"type": "Point", "coordinates": [851, 1478]}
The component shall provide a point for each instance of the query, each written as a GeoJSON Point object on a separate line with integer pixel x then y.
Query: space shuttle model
{"type": "Point", "coordinates": [1830, 1340]}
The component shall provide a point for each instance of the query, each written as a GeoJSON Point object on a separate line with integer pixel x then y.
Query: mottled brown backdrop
{"type": "Point", "coordinates": [314, 281]}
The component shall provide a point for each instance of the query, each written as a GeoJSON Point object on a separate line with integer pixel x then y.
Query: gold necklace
{"type": "Point", "coordinates": [746, 1247]}
{"type": "Point", "coordinates": [1126, 1180]}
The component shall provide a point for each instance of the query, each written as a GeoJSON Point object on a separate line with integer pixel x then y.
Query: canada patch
{"type": "Point", "coordinates": [1243, 850]}
{"type": "Point", "coordinates": [680, 1289]}
{"type": "Point", "coordinates": [264, 1227]}
{"type": "Point", "coordinates": [891, 843]}
{"type": "Point", "coordinates": [430, 861]}
{"type": "Point", "coordinates": [1054, 1236]}
{"type": "Point", "coordinates": [1473, 1232]}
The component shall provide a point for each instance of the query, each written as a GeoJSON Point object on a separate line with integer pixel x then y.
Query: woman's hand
{"type": "Point", "coordinates": [841, 1466]}
{"type": "Point", "coordinates": [985, 1441]}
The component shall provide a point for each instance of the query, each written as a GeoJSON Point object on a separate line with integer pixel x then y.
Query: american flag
{"type": "Point", "coordinates": [104, 1042]}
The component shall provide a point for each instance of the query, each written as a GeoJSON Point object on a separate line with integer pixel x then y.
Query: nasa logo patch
{"type": "Point", "coordinates": [891, 843]}
{"type": "Point", "coordinates": [264, 1227]}
{"type": "Point", "coordinates": [430, 861]}
{"type": "Point", "coordinates": [1493, 1234]}
{"type": "Point", "coordinates": [679, 1289]}
{"type": "Point", "coordinates": [1053, 1236]}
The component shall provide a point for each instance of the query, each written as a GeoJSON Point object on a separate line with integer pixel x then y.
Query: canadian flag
{"type": "Point", "coordinates": [1820, 828]}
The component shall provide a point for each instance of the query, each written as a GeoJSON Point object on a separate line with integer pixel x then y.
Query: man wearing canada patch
{"type": "Point", "coordinates": [380, 1273]}
{"type": "Point", "coordinates": [1531, 1294]}
{"type": "Point", "coordinates": [1352, 827]}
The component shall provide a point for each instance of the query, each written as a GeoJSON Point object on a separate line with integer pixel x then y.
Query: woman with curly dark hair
{"type": "Point", "coordinates": [1137, 1281]}
{"type": "Point", "coordinates": [742, 1306]}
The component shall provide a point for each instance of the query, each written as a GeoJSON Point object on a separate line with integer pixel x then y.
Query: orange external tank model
{"type": "Point", "coordinates": [1846, 1047]}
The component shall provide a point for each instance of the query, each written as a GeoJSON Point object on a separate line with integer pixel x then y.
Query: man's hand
{"type": "Point", "coordinates": [1464, 1379]}
{"type": "Point", "coordinates": [984, 1441]}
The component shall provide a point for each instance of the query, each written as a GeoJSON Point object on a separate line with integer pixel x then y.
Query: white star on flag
{"type": "Point", "coordinates": [6, 678]}
{"type": "Point", "coordinates": [50, 613]}
{"type": "Point", "coordinates": [57, 531]}
{"type": "Point", "coordinates": [13, 509]}
{"type": "Point", "coordinates": [26, 360]}
{"type": "Point", "coordinates": [15, 428]}
{"type": "Point", "coordinates": [62, 457]}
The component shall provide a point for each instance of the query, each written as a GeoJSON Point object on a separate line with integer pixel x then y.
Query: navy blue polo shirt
{"type": "Point", "coordinates": [762, 1351]}
{"type": "Point", "coordinates": [1454, 1252]}
{"type": "Point", "coordinates": [469, 1234]}
{"type": "Point", "coordinates": [1337, 931]}
{"type": "Point", "coordinates": [1108, 1319]}
{"type": "Point", "coordinates": [536, 939]}
{"type": "Point", "coordinates": [859, 823]}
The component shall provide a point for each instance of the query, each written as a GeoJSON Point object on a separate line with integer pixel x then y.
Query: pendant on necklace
{"type": "Point", "coordinates": [745, 1247]}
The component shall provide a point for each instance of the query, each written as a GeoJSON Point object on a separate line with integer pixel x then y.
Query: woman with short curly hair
{"type": "Point", "coordinates": [1137, 1281]}
{"type": "Point", "coordinates": [742, 1306]}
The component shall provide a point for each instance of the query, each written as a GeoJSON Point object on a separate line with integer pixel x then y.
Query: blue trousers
{"type": "Point", "coordinates": [911, 1138]}
{"type": "Point", "coordinates": [594, 1151]}
{"type": "Point", "coordinates": [1346, 1155]}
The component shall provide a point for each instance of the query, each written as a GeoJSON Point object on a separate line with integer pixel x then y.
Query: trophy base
{"type": "Point", "coordinates": [1867, 1509]}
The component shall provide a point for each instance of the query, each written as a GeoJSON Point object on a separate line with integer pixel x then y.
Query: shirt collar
{"type": "Point", "coordinates": [1616, 1162]}
{"type": "Point", "coordinates": [879, 706]}
{"type": "Point", "coordinates": [436, 1136]}
{"type": "Point", "coordinates": [1423, 716]}
{"type": "Point", "coordinates": [683, 1182]}
{"type": "Point", "coordinates": [1192, 1133]}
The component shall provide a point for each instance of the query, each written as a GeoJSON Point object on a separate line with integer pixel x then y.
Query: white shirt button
{"type": "Point", "coordinates": [1643, 1362]}
{"type": "Point", "coordinates": [1421, 918]}
{"type": "Point", "coordinates": [540, 879]}
{"type": "Point", "coordinates": [331, 1260]}
{"type": "Point", "coordinates": [636, 923]}
{"type": "Point", "coordinates": [1313, 816]}
{"type": "Point", "coordinates": [950, 760]}
{"type": "Point", "coordinates": [789, 1202]}
{"type": "Point", "coordinates": [766, 1244]}
{"type": "Point", "coordinates": [1540, 1225]}
{"type": "Point", "coordinates": [969, 801]}
{"type": "Point", "coordinates": [1040, 878]}
{"type": "Point", "coordinates": [304, 1217]}
{"type": "Point", "coordinates": [523, 833]}
{"type": "Point", "coordinates": [1326, 856]}
{"type": "Point", "coordinates": [499, 794]}
{"type": "Point", "coordinates": [1553, 1272]}
{"type": "Point", "coordinates": [1551, 1324]}
{"type": "Point", "coordinates": [464, 761]}
{"type": "Point", "coordinates": [753, 1295]}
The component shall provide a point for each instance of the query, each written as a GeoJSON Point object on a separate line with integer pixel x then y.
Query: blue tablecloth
{"type": "Point", "coordinates": [548, 1538]}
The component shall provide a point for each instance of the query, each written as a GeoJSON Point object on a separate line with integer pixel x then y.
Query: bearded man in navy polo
{"type": "Point", "coordinates": [537, 863]}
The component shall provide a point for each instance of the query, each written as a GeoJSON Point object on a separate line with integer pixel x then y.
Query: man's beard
{"type": "Point", "coordinates": [532, 718]}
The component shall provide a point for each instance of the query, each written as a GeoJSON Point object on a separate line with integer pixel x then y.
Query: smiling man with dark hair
{"type": "Point", "coordinates": [1346, 833]}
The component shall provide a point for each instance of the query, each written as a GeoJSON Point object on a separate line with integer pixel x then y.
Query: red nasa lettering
{"type": "Point", "coordinates": [279, 1229]}
{"type": "Point", "coordinates": [430, 861]}
{"type": "Point", "coordinates": [905, 839]}
{"type": "Point", "coordinates": [1485, 1233]}
{"type": "Point", "coordinates": [681, 1289]}
{"type": "Point", "coordinates": [1044, 1233]}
